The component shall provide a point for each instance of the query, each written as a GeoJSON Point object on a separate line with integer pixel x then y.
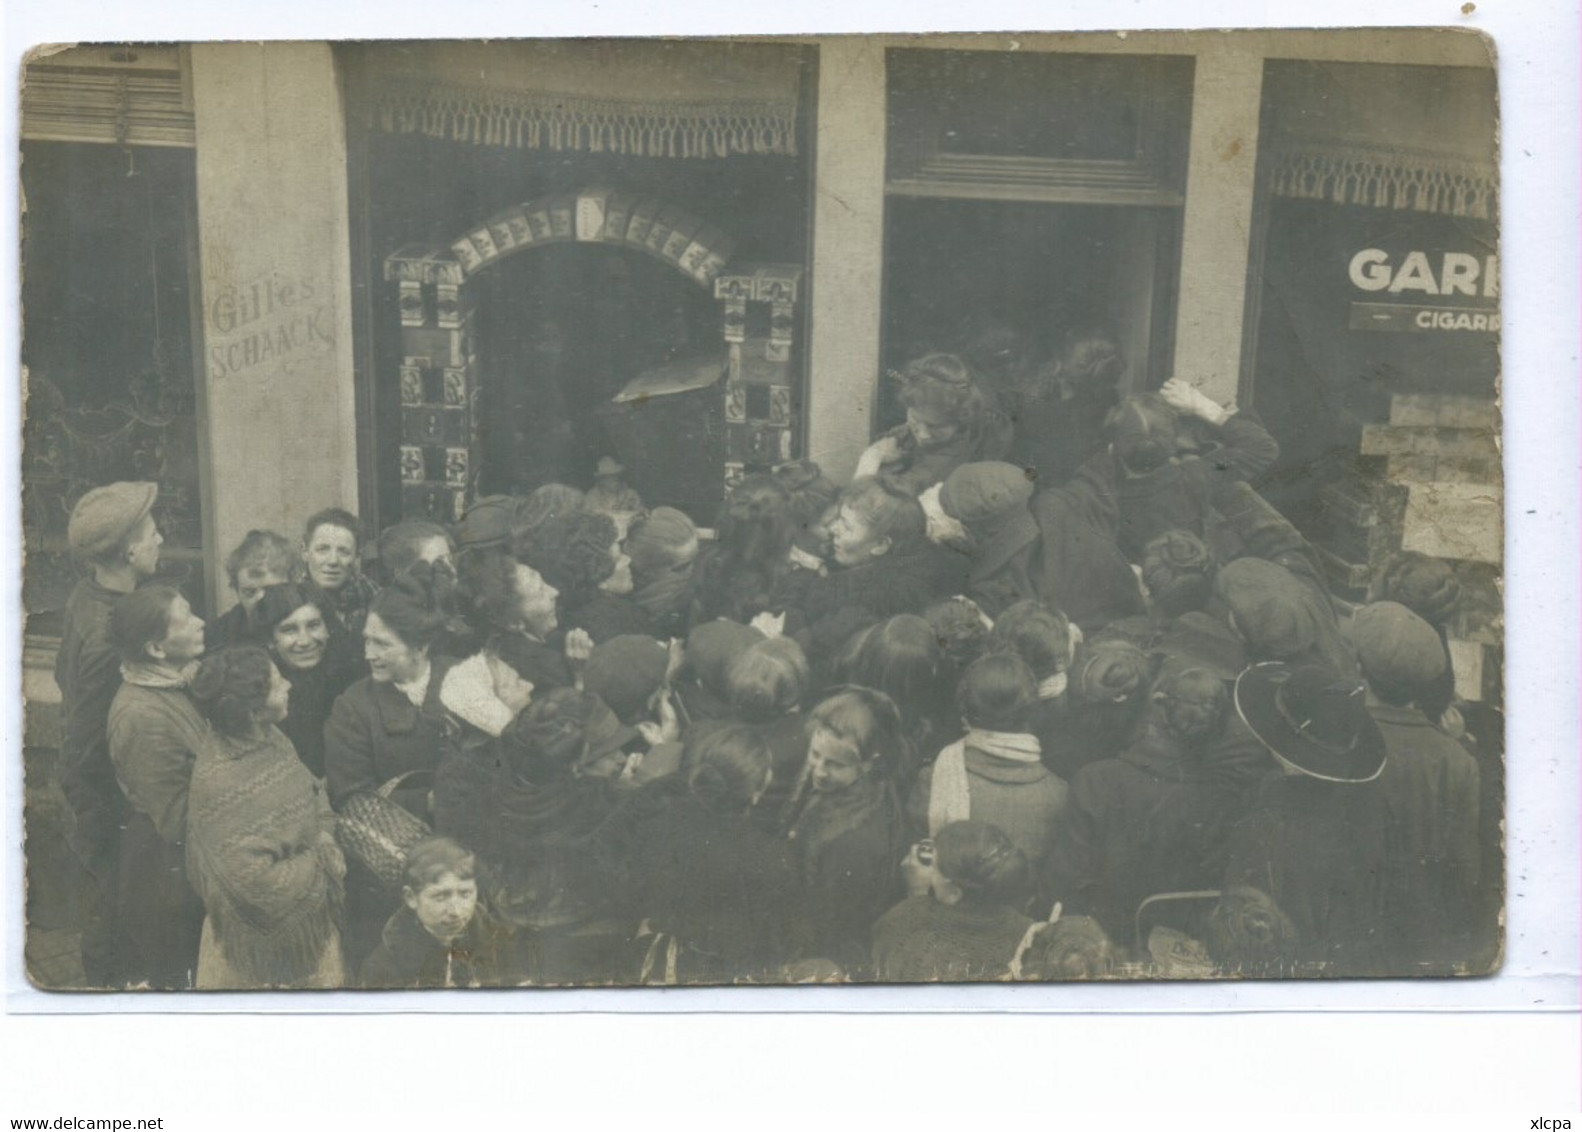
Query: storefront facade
{"type": "Point", "coordinates": [372, 263]}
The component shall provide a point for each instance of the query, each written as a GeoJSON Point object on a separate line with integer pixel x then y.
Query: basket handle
{"type": "Point", "coordinates": [399, 781]}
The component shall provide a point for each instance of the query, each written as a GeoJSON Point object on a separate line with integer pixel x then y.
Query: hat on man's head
{"type": "Point", "coordinates": [105, 518]}
{"type": "Point", "coordinates": [1313, 720]}
{"type": "Point", "coordinates": [1395, 646]}
{"type": "Point", "coordinates": [608, 466]}
{"type": "Point", "coordinates": [625, 672]}
{"type": "Point", "coordinates": [486, 523]}
{"type": "Point", "coordinates": [1271, 607]}
{"type": "Point", "coordinates": [975, 492]}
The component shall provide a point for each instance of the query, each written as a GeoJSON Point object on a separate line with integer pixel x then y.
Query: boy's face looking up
{"type": "Point", "coordinates": [444, 906]}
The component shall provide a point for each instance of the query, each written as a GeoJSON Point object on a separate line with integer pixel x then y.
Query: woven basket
{"type": "Point", "coordinates": [378, 832]}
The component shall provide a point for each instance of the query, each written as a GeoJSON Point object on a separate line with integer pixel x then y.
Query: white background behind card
{"type": "Point", "coordinates": [1510, 1042]}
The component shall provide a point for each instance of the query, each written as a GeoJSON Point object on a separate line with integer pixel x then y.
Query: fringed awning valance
{"type": "Point", "coordinates": [1386, 179]}
{"type": "Point", "coordinates": [1418, 139]}
{"type": "Point", "coordinates": [649, 98]}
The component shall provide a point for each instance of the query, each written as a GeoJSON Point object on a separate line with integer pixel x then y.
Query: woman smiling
{"type": "Point", "coordinates": [316, 656]}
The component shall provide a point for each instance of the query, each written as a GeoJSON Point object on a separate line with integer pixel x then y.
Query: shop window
{"type": "Point", "coordinates": [1033, 201]}
{"type": "Point", "coordinates": [108, 346]}
{"type": "Point", "coordinates": [1047, 127]}
{"type": "Point", "coordinates": [1374, 324]}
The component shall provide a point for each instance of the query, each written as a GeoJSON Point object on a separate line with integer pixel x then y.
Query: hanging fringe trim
{"type": "Point", "coordinates": [546, 121]}
{"type": "Point", "coordinates": [1387, 180]}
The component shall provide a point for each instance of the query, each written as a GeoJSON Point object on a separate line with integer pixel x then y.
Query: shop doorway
{"type": "Point", "coordinates": [560, 333]}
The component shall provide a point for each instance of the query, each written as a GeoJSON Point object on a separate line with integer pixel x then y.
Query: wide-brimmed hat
{"type": "Point", "coordinates": [1312, 719]}
{"type": "Point", "coordinates": [608, 466]}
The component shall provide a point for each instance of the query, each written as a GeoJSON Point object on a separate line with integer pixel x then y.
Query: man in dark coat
{"type": "Point", "coordinates": [1150, 821]}
{"type": "Point", "coordinates": [112, 529]}
{"type": "Point", "coordinates": [1431, 788]}
{"type": "Point", "coordinates": [1314, 840]}
{"type": "Point", "coordinates": [1150, 488]}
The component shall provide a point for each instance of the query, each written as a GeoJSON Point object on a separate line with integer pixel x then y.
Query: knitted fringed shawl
{"type": "Point", "coordinates": [261, 854]}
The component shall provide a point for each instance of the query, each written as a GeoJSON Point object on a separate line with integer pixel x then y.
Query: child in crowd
{"type": "Point", "coordinates": [963, 921]}
{"type": "Point", "coordinates": [994, 774]}
{"type": "Point", "coordinates": [442, 936]}
{"type": "Point", "coordinates": [902, 658]}
{"type": "Point", "coordinates": [766, 683]}
{"type": "Point", "coordinates": [848, 830]}
{"type": "Point", "coordinates": [260, 560]}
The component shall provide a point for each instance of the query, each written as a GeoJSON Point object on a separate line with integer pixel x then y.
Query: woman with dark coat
{"type": "Point", "coordinates": [748, 571]}
{"type": "Point", "coordinates": [719, 896]}
{"type": "Point", "coordinates": [848, 831]}
{"type": "Point", "coordinates": [580, 555]}
{"type": "Point", "coordinates": [262, 559]}
{"type": "Point", "coordinates": [554, 789]}
{"type": "Point", "coordinates": [389, 724]}
{"type": "Point", "coordinates": [319, 659]}
{"type": "Point", "coordinates": [881, 560]}
{"type": "Point", "coordinates": [1149, 821]}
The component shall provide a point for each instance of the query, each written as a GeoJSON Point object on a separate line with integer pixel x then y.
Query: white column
{"type": "Point", "coordinates": [1217, 226]}
{"type": "Point", "coordinates": [280, 431]}
{"type": "Point", "coordinates": [848, 252]}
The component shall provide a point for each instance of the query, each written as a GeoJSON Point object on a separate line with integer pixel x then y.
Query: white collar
{"type": "Point", "coordinates": [417, 690]}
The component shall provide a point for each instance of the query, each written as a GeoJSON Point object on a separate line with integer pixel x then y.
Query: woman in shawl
{"type": "Point", "coordinates": [261, 849]}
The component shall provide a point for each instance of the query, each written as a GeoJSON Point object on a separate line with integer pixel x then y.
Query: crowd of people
{"type": "Point", "coordinates": [1046, 691]}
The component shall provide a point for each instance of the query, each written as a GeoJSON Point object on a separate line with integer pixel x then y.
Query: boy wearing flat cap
{"type": "Point", "coordinates": [1431, 788]}
{"type": "Point", "coordinates": [112, 531]}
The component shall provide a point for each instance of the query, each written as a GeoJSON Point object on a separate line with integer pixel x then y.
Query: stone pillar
{"type": "Point", "coordinates": [278, 422]}
{"type": "Point", "coordinates": [1217, 226]}
{"type": "Point", "coordinates": [848, 252]}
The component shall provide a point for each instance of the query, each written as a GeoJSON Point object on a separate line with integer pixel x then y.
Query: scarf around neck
{"type": "Point", "coordinates": [157, 674]}
{"type": "Point", "coordinates": [949, 795]}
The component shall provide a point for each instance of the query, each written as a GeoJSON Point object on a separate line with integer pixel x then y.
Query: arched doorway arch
{"type": "Point", "coordinates": [439, 377]}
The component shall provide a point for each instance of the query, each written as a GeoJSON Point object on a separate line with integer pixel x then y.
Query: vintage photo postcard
{"type": "Point", "coordinates": [840, 510]}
